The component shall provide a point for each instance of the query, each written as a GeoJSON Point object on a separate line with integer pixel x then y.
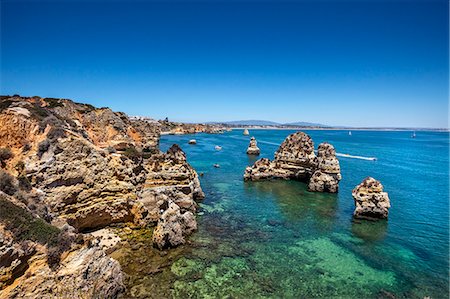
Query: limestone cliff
{"type": "Point", "coordinates": [295, 159]}
{"type": "Point", "coordinates": [77, 166]}
{"type": "Point", "coordinates": [175, 128]}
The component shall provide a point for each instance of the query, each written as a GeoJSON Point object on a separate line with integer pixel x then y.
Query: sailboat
{"type": "Point", "coordinates": [349, 133]}
{"type": "Point", "coordinates": [413, 134]}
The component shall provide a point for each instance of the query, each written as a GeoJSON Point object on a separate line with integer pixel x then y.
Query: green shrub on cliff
{"type": "Point", "coordinates": [25, 226]}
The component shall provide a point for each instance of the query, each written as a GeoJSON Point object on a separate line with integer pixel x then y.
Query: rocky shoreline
{"type": "Point", "coordinates": [72, 169]}
{"type": "Point", "coordinates": [82, 188]}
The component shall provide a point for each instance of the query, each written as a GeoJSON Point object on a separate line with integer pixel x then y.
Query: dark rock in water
{"type": "Point", "coordinates": [370, 200]}
{"type": "Point", "coordinates": [295, 159]}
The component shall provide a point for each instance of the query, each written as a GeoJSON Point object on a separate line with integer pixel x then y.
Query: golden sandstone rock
{"type": "Point", "coordinates": [78, 167]}
{"type": "Point", "coordinates": [295, 159]}
{"type": "Point", "coordinates": [371, 202]}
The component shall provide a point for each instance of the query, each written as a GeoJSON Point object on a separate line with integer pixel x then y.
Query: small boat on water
{"type": "Point", "coordinates": [216, 165]}
{"type": "Point", "coordinates": [218, 148]}
{"type": "Point", "coordinates": [349, 133]}
{"type": "Point", "coordinates": [413, 134]}
{"type": "Point", "coordinates": [192, 141]}
{"type": "Point", "coordinates": [246, 132]}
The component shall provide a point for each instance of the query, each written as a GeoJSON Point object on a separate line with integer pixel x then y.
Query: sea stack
{"type": "Point", "coordinates": [328, 174]}
{"type": "Point", "coordinates": [295, 159]}
{"type": "Point", "coordinates": [253, 148]}
{"type": "Point", "coordinates": [246, 132]}
{"type": "Point", "coordinates": [370, 200]}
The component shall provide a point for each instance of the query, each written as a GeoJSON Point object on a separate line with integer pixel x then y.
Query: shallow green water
{"type": "Point", "coordinates": [277, 240]}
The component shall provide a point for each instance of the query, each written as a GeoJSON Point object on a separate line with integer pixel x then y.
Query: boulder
{"type": "Point", "coordinates": [370, 200]}
{"type": "Point", "coordinates": [173, 226]}
{"type": "Point", "coordinates": [253, 148]}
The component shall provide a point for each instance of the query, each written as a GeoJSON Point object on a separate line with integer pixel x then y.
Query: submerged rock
{"type": "Point", "coordinates": [295, 159]}
{"type": "Point", "coordinates": [328, 174]}
{"type": "Point", "coordinates": [173, 226]}
{"type": "Point", "coordinates": [370, 200]}
{"type": "Point", "coordinates": [253, 148]}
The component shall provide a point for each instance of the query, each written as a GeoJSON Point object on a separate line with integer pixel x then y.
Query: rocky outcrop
{"type": "Point", "coordinates": [14, 257]}
{"type": "Point", "coordinates": [169, 178]}
{"type": "Point", "coordinates": [174, 128]}
{"type": "Point", "coordinates": [295, 159]}
{"type": "Point", "coordinates": [173, 226]}
{"type": "Point", "coordinates": [328, 174]}
{"type": "Point", "coordinates": [83, 185]}
{"type": "Point", "coordinates": [73, 165]}
{"type": "Point", "coordinates": [371, 202]}
{"type": "Point", "coordinates": [253, 148]}
{"type": "Point", "coordinates": [84, 273]}
{"type": "Point", "coordinates": [38, 260]}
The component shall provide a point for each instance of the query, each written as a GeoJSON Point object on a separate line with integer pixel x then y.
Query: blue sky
{"type": "Point", "coordinates": [356, 63]}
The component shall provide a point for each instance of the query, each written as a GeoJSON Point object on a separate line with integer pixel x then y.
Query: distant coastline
{"type": "Point", "coordinates": [340, 128]}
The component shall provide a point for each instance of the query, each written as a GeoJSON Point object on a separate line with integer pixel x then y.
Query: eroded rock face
{"type": "Point", "coordinates": [173, 226]}
{"type": "Point", "coordinates": [370, 200]}
{"type": "Point", "coordinates": [253, 148]}
{"type": "Point", "coordinates": [295, 159]}
{"type": "Point", "coordinates": [169, 177]}
{"type": "Point", "coordinates": [14, 257]}
{"type": "Point", "coordinates": [84, 186]}
{"type": "Point", "coordinates": [87, 272]}
{"type": "Point", "coordinates": [84, 168]}
{"type": "Point", "coordinates": [328, 174]}
{"type": "Point", "coordinates": [50, 263]}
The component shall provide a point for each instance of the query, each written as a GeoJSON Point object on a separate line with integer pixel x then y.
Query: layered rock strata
{"type": "Point", "coordinates": [295, 159]}
{"type": "Point", "coordinates": [253, 148]}
{"type": "Point", "coordinates": [73, 165]}
{"type": "Point", "coordinates": [371, 202]}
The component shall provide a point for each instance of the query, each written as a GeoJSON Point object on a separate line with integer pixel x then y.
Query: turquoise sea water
{"type": "Point", "coordinates": [277, 240]}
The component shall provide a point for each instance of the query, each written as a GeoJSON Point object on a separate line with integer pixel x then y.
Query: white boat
{"type": "Point", "coordinates": [246, 132]}
{"type": "Point", "coordinates": [349, 133]}
{"type": "Point", "coordinates": [192, 141]}
{"type": "Point", "coordinates": [218, 148]}
{"type": "Point", "coordinates": [413, 134]}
